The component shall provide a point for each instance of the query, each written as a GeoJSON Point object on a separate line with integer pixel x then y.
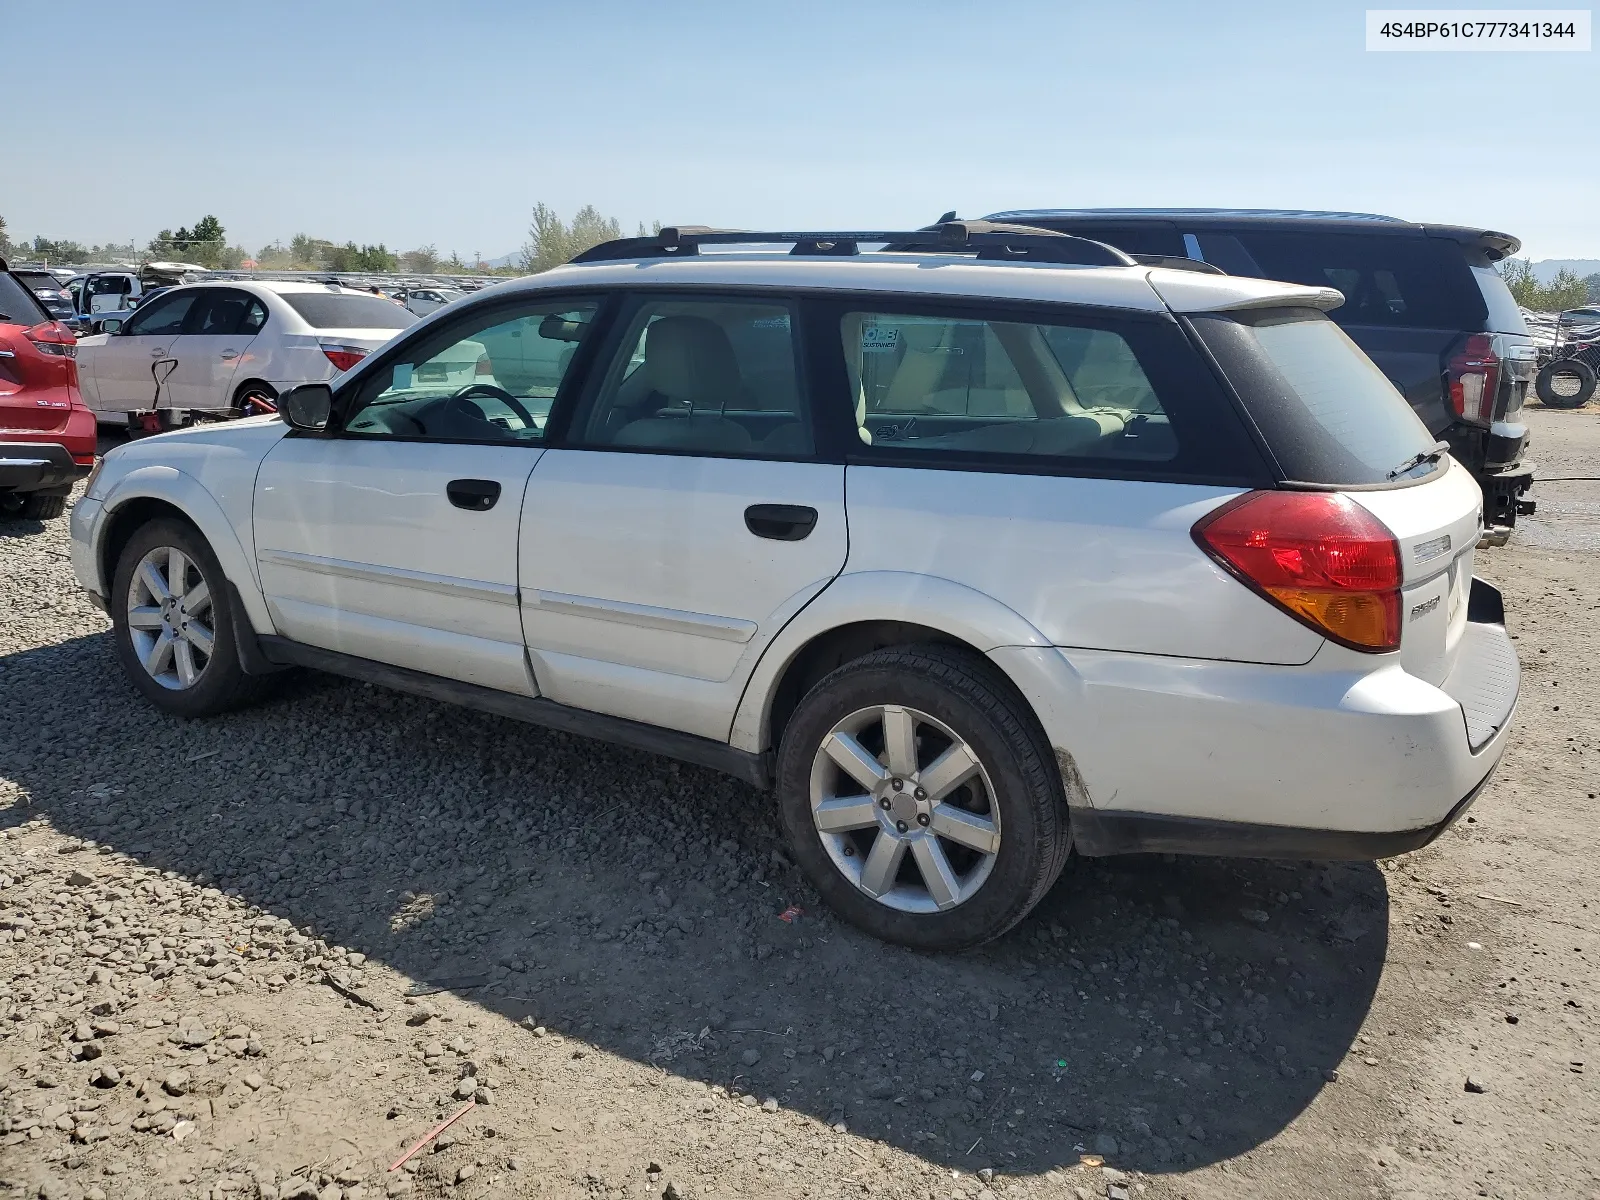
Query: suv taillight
{"type": "Point", "coordinates": [344, 357]}
{"type": "Point", "coordinates": [1472, 377]}
{"type": "Point", "coordinates": [53, 338]}
{"type": "Point", "coordinates": [1319, 556]}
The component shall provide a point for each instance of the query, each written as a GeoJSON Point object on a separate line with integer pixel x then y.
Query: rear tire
{"type": "Point", "coordinates": [1565, 383]}
{"type": "Point", "coordinates": [169, 602]}
{"type": "Point", "coordinates": [937, 867]}
{"type": "Point", "coordinates": [36, 507]}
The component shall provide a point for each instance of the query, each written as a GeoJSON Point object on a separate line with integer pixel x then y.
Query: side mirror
{"type": "Point", "coordinates": [307, 407]}
{"type": "Point", "coordinates": [108, 325]}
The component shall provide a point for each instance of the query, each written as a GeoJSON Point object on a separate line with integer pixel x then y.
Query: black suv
{"type": "Point", "coordinates": [1424, 302]}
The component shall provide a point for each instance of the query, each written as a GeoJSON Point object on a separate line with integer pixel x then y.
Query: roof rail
{"type": "Point", "coordinates": [989, 240]}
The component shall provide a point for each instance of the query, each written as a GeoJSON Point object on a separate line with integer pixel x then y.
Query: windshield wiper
{"type": "Point", "coordinates": [1440, 449]}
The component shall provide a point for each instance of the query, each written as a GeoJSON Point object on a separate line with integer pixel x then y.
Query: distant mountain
{"type": "Point", "coordinates": [515, 257]}
{"type": "Point", "coordinates": [1546, 270]}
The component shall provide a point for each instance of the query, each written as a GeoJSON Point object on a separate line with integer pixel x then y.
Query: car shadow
{"type": "Point", "coordinates": [1166, 1012]}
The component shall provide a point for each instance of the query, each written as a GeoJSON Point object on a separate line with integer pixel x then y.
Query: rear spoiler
{"type": "Point", "coordinates": [1488, 245]}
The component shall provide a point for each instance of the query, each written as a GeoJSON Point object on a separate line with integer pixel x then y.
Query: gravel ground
{"type": "Point", "coordinates": [262, 955]}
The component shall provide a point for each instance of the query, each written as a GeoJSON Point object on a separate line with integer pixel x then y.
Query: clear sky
{"type": "Point", "coordinates": [415, 123]}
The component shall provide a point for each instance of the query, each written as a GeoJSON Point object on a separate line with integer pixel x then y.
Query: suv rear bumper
{"type": "Point", "coordinates": [1313, 761]}
{"type": "Point", "coordinates": [37, 467]}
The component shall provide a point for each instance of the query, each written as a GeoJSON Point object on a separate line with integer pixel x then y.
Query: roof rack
{"type": "Point", "coordinates": [991, 241]}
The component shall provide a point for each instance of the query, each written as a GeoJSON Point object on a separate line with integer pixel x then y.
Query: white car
{"type": "Point", "coordinates": [977, 551]}
{"type": "Point", "coordinates": [423, 301]}
{"type": "Point", "coordinates": [215, 348]}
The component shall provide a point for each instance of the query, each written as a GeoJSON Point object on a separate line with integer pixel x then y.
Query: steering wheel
{"type": "Point", "coordinates": [495, 393]}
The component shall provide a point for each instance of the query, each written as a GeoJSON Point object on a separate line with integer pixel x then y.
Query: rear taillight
{"type": "Point", "coordinates": [1319, 556]}
{"type": "Point", "coordinates": [53, 338]}
{"type": "Point", "coordinates": [344, 357]}
{"type": "Point", "coordinates": [1472, 377]}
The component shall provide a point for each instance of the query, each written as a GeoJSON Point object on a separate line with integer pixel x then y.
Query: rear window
{"type": "Point", "coordinates": [39, 279]}
{"type": "Point", "coordinates": [332, 310]}
{"type": "Point", "coordinates": [1386, 280]}
{"type": "Point", "coordinates": [18, 305]}
{"type": "Point", "coordinates": [1329, 415]}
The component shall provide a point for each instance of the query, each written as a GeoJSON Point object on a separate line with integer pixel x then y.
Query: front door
{"type": "Point", "coordinates": [140, 356]}
{"type": "Point", "coordinates": [685, 519]}
{"type": "Point", "coordinates": [216, 335]}
{"type": "Point", "coordinates": [395, 539]}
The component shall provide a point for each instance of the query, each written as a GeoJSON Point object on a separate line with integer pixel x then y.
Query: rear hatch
{"type": "Point", "coordinates": [1333, 422]}
{"type": "Point", "coordinates": [37, 373]}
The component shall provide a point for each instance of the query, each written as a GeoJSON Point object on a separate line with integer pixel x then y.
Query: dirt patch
{"type": "Point", "coordinates": [208, 934]}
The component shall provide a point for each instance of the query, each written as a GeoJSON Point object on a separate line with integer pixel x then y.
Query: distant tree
{"type": "Point", "coordinates": [350, 257]}
{"type": "Point", "coordinates": [424, 259]}
{"type": "Point", "coordinates": [5, 241]}
{"type": "Point", "coordinates": [1565, 290]}
{"type": "Point", "coordinates": [552, 242]}
{"type": "Point", "coordinates": [58, 252]}
{"type": "Point", "coordinates": [1591, 285]}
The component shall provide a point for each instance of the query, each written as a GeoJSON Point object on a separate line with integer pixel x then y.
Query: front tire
{"type": "Point", "coordinates": [173, 626]}
{"type": "Point", "coordinates": [921, 799]}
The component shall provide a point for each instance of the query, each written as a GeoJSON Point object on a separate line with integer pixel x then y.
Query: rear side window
{"type": "Point", "coordinates": [1504, 315]}
{"type": "Point", "coordinates": [19, 306]}
{"type": "Point", "coordinates": [1055, 392]}
{"type": "Point", "coordinates": [1387, 280]}
{"type": "Point", "coordinates": [332, 310]}
{"type": "Point", "coordinates": [1329, 415]}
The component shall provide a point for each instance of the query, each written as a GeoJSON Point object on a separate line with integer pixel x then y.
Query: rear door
{"type": "Point", "coordinates": [217, 332]}
{"type": "Point", "coordinates": [685, 516]}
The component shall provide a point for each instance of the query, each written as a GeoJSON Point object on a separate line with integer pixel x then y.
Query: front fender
{"type": "Point", "coordinates": [953, 609]}
{"type": "Point", "coordinates": [185, 493]}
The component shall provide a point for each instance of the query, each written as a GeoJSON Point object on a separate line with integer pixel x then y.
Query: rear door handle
{"type": "Point", "coordinates": [474, 495]}
{"type": "Point", "coordinates": [229, 355]}
{"type": "Point", "coordinates": [780, 522]}
{"type": "Point", "coordinates": [157, 353]}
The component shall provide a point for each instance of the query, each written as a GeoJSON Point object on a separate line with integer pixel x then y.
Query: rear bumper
{"type": "Point", "coordinates": [37, 467]}
{"type": "Point", "coordinates": [1333, 759]}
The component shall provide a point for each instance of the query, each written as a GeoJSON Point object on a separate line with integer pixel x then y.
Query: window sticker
{"type": "Point", "coordinates": [879, 339]}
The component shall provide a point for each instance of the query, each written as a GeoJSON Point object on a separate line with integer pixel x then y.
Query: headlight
{"type": "Point", "coordinates": [93, 477]}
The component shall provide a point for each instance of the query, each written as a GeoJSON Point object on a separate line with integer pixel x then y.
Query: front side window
{"type": "Point", "coordinates": [702, 377]}
{"type": "Point", "coordinates": [164, 315]}
{"type": "Point", "coordinates": [951, 384]}
{"type": "Point", "coordinates": [490, 378]}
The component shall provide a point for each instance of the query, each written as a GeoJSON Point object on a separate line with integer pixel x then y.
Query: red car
{"type": "Point", "coordinates": [47, 433]}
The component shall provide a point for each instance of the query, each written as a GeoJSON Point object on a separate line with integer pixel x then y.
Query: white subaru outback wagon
{"type": "Point", "coordinates": [980, 548]}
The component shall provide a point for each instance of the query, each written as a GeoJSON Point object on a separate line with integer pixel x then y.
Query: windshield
{"type": "Point", "coordinates": [335, 310]}
{"type": "Point", "coordinates": [1329, 415]}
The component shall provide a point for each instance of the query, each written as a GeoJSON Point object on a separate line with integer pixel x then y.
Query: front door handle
{"type": "Point", "coordinates": [780, 522]}
{"type": "Point", "coordinates": [474, 495]}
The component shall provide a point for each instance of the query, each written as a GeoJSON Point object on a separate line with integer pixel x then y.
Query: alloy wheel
{"type": "Point", "coordinates": [171, 618]}
{"type": "Point", "coordinates": [905, 809]}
